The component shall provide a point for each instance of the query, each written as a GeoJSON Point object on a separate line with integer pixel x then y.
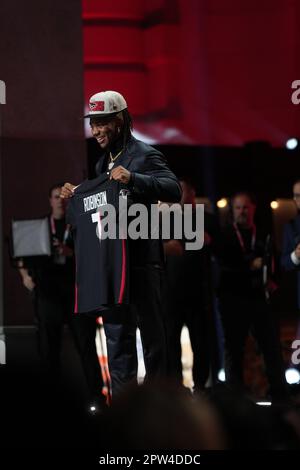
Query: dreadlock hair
{"type": "Point", "coordinates": [127, 126]}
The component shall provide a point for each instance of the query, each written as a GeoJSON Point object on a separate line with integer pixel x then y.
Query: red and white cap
{"type": "Point", "coordinates": [106, 103]}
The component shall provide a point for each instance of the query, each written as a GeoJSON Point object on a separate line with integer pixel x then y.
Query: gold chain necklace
{"type": "Point", "coordinates": [112, 159]}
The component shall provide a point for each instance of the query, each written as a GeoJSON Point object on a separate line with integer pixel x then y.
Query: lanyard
{"type": "Point", "coordinates": [53, 229]}
{"type": "Point", "coordinates": [240, 238]}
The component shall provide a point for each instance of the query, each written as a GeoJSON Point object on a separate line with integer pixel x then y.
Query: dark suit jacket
{"type": "Point", "coordinates": [151, 181]}
{"type": "Point", "coordinates": [291, 237]}
{"type": "Point", "coordinates": [189, 274]}
{"type": "Point", "coordinates": [236, 275]}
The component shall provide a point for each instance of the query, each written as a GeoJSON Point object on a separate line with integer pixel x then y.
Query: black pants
{"type": "Point", "coordinates": [53, 310]}
{"type": "Point", "coordinates": [240, 316]}
{"type": "Point", "coordinates": [145, 311]}
{"type": "Point", "coordinates": [180, 312]}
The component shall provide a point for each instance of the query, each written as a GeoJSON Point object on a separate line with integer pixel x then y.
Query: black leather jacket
{"type": "Point", "coordinates": [151, 181]}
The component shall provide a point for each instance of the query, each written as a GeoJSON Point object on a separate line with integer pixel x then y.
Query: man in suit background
{"type": "Point", "coordinates": [189, 296]}
{"type": "Point", "coordinates": [244, 308]}
{"type": "Point", "coordinates": [290, 258]}
{"type": "Point", "coordinates": [51, 282]}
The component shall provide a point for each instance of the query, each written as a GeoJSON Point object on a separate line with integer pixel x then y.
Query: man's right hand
{"type": "Point", "coordinates": [67, 190]}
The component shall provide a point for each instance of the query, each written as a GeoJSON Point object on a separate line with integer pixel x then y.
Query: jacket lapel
{"type": "Point", "coordinates": [101, 164]}
{"type": "Point", "coordinates": [127, 156]}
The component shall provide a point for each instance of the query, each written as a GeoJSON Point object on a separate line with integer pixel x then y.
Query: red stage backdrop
{"type": "Point", "coordinates": [210, 72]}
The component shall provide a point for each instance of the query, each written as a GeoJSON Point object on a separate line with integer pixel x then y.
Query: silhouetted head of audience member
{"type": "Point", "coordinates": [162, 416]}
{"type": "Point", "coordinates": [247, 424]}
{"type": "Point", "coordinates": [250, 426]}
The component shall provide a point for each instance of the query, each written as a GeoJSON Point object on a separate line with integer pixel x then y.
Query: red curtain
{"type": "Point", "coordinates": [198, 71]}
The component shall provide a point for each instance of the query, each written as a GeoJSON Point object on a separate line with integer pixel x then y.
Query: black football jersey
{"type": "Point", "coordinates": [102, 279]}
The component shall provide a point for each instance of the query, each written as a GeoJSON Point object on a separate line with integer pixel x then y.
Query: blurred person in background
{"type": "Point", "coordinates": [243, 251]}
{"type": "Point", "coordinates": [189, 297]}
{"type": "Point", "coordinates": [290, 258]}
{"type": "Point", "coordinates": [51, 282]}
{"type": "Point", "coordinates": [162, 416]}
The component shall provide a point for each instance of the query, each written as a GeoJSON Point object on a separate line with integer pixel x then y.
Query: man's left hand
{"type": "Point", "coordinates": [120, 174]}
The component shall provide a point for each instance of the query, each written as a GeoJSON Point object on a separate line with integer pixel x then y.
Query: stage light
{"type": "Point", "coordinates": [274, 205]}
{"type": "Point", "coordinates": [221, 375]}
{"type": "Point", "coordinates": [92, 408]}
{"type": "Point", "coordinates": [292, 143]}
{"type": "Point", "coordinates": [222, 203]}
{"type": "Point", "coordinates": [292, 376]}
{"type": "Point", "coordinates": [264, 403]}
